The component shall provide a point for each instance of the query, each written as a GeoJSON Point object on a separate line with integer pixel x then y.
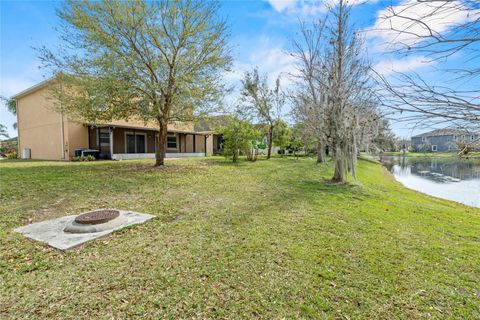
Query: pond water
{"type": "Point", "coordinates": [448, 178]}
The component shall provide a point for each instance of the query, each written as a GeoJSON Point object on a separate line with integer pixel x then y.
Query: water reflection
{"type": "Point", "coordinates": [450, 178]}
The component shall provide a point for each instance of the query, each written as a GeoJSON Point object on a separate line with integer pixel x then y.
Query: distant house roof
{"type": "Point", "coordinates": [442, 132]}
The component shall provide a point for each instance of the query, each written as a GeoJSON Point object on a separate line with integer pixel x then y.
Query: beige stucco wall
{"type": "Point", "coordinates": [77, 137]}
{"type": "Point", "coordinates": [39, 126]}
{"type": "Point", "coordinates": [40, 129]}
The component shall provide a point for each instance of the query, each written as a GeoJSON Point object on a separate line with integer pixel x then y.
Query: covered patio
{"type": "Point", "coordinates": [121, 142]}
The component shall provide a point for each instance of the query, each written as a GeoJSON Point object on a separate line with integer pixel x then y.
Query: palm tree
{"type": "Point", "coordinates": [11, 106]}
{"type": "Point", "coordinates": [3, 131]}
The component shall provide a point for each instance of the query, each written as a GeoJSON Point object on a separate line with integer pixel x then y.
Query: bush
{"type": "Point", "coordinates": [11, 155]}
{"type": "Point", "coordinates": [6, 149]}
{"type": "Point", "coordinates": [84, 158]}
{"type": "Point", "coordinates": [240, 137]}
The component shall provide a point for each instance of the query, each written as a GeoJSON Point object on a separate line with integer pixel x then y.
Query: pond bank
{"type": "Point", "coordinates": [455, 179]}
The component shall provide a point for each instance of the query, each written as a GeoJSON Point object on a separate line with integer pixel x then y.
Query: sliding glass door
{"type": "Point", "coordinates": [135, 142]}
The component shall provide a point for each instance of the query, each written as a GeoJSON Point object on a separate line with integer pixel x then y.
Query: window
{"type": "Point", "coordinates": [472, 137]}
{"type": "Point", "coordinates": [434, 148]}
{"type": "Point", "coordinates": [171, 141]}
{"type": "Point", "coordinates": [423, 139]}
{"type": "Point", "coordinates": [104, 135]}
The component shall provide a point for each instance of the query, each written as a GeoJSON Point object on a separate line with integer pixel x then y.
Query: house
{"type": "Point", "coordinates": [442, 140]}
{"type": "Point", "coordinates": [44, 133]}
{"type": "Point", "coordinates": [212, 124]}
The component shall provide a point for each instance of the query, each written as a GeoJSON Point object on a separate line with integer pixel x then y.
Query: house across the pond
{"type": "Point", "coordinates": [44, 133]}
{"type": "Point", "coordinates": [443, 140]}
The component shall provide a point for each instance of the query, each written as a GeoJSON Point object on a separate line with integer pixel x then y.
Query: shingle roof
{"type": "Point", "coordinates": [212, 123]}
{"type": "Point", "coordinates": [443, 132]}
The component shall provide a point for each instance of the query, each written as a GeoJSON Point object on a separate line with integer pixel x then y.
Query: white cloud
{"type": "Point", "coordinates": [404, 25]}
{"type": "Point", "coordinates": [403, 65]}
{"type": "Point", "coordinates": [270, 58]}
{"type": "Point", "coordinates": [281, 5]}
{"type": "Point", "coordinates": [275, 62]}
{"type": "Point", "coordinates": [309, 7]}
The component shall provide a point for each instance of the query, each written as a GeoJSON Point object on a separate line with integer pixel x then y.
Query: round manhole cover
{"type": "Point", "coordinates": [97, 216]}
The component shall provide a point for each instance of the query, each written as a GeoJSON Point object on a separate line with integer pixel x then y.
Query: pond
{"type": "Point", "coordinates": [448, 178]}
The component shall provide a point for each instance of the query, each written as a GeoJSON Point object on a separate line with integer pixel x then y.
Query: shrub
{"type": "Point", "coordinates": [11, 155]}
{"type": "Point", "coordinates": [9, 148]}
{"type": "Point", "coordinates": [238, 136]}
{"type": "Point", "coordinates": [84, 158]}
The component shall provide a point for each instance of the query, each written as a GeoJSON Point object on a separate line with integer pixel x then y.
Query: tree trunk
{"type": "Point", "coordinates": [320, 153]}
{"type": "Point", "coordinates": [340, 173]}
{"type": "Point", "coordinates": [235, 155]}
{"type": "Point", "coordinates": [161, 144]}
{"type": "Point", "coordinates": [270, 142]}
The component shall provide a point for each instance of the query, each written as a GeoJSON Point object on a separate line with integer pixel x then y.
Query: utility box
{"type": "Point", "coordinates": [78, 152]}
{"type": "Point", "coordinates": [26, 154]}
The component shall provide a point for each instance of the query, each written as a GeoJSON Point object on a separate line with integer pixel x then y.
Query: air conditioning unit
{"type": "Point", "coordinates": [26, 153]}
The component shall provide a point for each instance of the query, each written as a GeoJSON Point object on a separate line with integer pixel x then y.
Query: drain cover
{"type": "Point", "coordinates": [97, 216]}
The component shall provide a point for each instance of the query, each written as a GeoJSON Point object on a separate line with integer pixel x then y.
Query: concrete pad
{"type": "Point", "coordinates": [52, 231]}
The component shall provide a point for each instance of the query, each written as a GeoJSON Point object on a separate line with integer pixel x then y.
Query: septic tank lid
{"type": "Point", "coordinates": [97, 216]}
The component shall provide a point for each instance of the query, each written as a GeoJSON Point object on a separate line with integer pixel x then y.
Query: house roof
{"type": "Point", "coordinates": [31, 89]}
{"type": "Point", "coordinates": [133, 127]}
{"type": "Point", "coordinates": [442, 132]}
{"type": "Point", "coordinates": [210, 124]}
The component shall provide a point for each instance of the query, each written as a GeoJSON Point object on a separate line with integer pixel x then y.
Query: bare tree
{"type": "Point", "coordinates": [335, 97]}
{"type": "Point", "coordinates": [266, 103]}
{"type": "Point", "coordinates": [309, 101]}
{"type": "Point", "coordinates": [420, 27]}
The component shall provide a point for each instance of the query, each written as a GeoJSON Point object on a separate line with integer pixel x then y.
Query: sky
{"type": "Point", "coordinates": [261, 35]}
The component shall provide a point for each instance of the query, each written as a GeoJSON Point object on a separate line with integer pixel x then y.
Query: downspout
{"type": "Point", "coordinates": [88, 134]}
{"type": "Point", "coordinates": [62, 137]}
{"type": "Point", "coordinates": [63, 134]}
{"type": "Point", "coordinates": [110, 131]}
{"type": "Point", "coordinates": [18, 133]}
{"type": "Point", "coordinates": [206, 155]}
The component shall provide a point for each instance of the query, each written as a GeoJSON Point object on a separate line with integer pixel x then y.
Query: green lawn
{"type": "Point", "coordinates": [271, 239]}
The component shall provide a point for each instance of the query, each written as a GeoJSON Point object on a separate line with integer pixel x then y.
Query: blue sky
{"type": "Point", "coordinates": [261, 33]}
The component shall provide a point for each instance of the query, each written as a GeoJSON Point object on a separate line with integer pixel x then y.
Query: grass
{"type": "Point", "coordinates": [271, 239]}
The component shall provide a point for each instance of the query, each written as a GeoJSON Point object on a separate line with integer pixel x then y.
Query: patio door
{"type": "Point", "coordinates": [135, 142]}
{"type": "Point", "coordinates": [140, 143]}
{"type": "Point", "coordinates": [104, 140]}
{"type": "Point", "coordinates": [130, 142]}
